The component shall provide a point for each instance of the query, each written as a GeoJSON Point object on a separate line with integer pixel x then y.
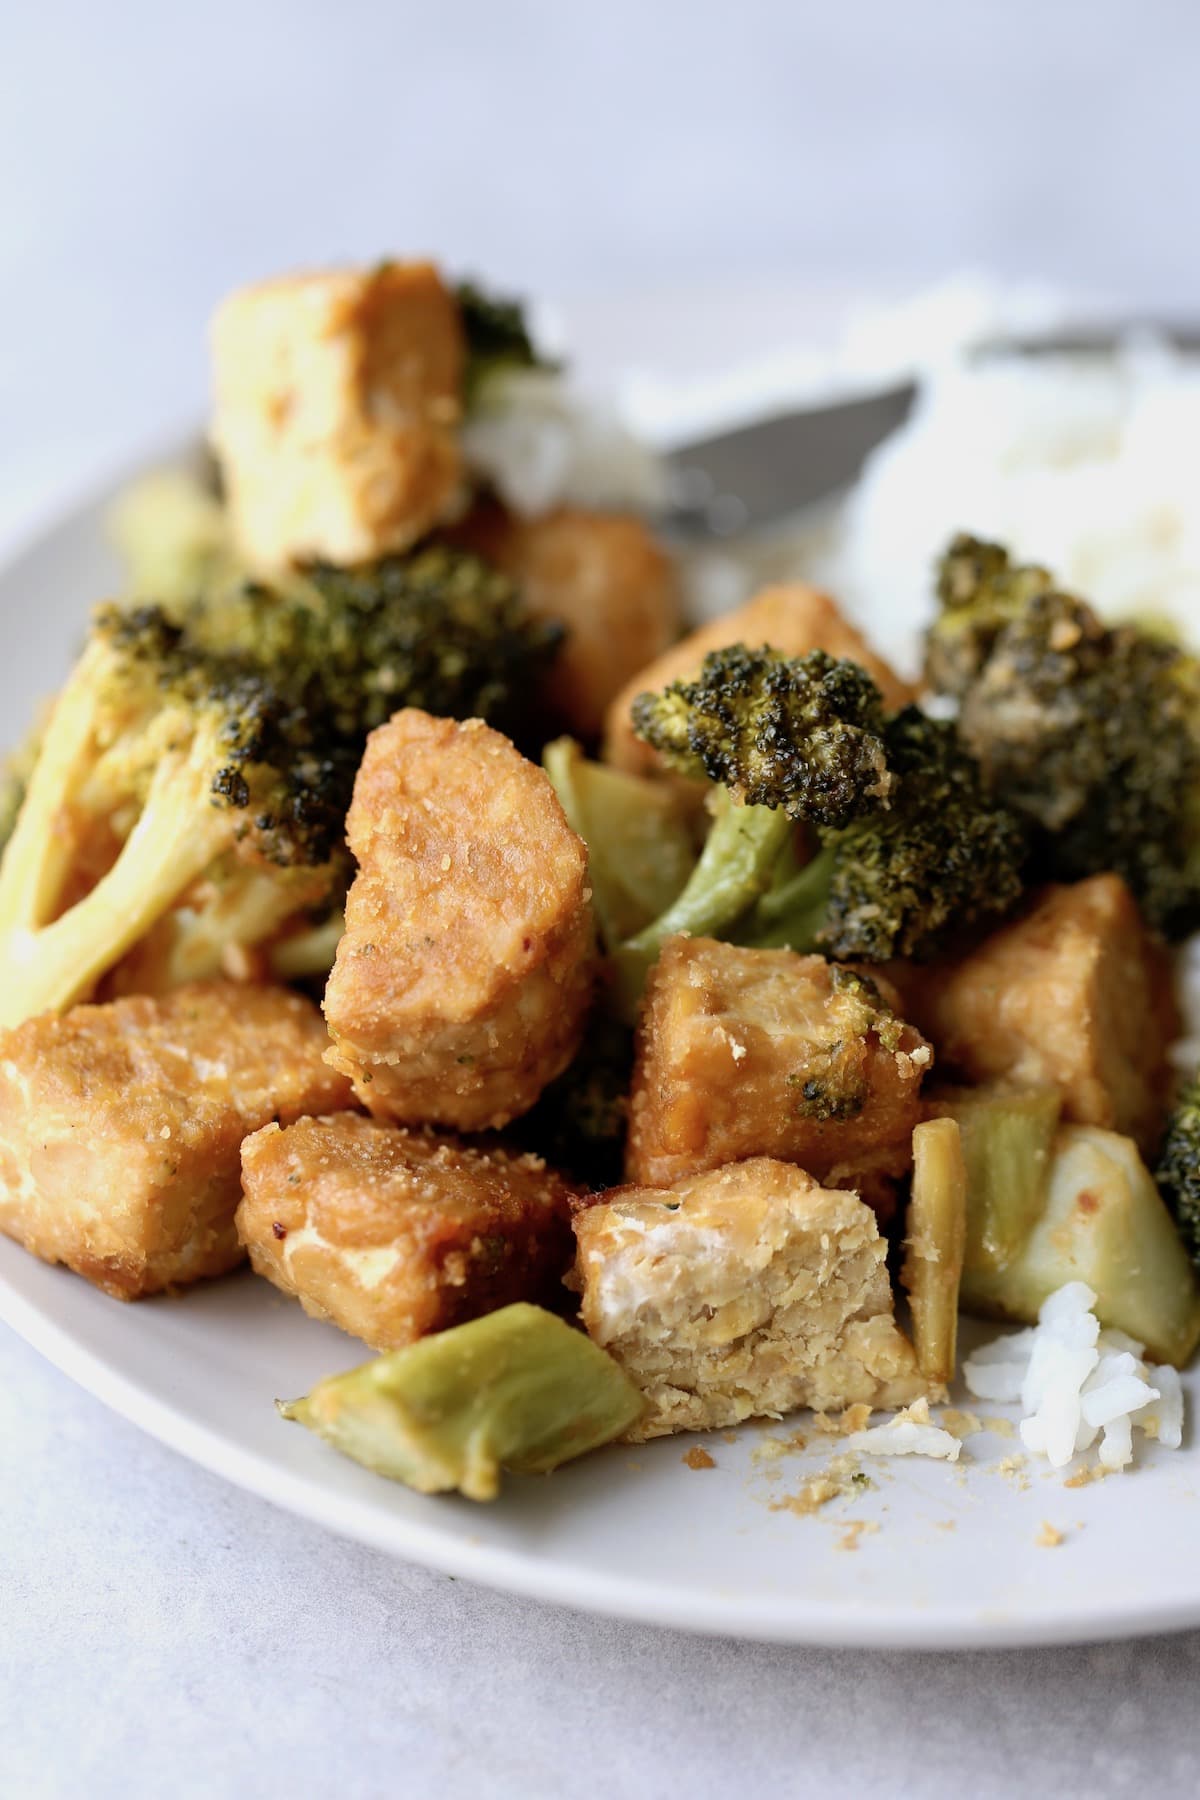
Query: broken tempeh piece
{"type": "Point", "coordinates": [392, 1234]}
{"type": "Point", "coordinates": [746, 1292]}
{"type": "Point", "coordinates": [121, 1126]}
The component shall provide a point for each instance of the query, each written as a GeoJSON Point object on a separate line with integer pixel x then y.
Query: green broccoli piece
{"type": "Point", "coordinates": [497, 336]}
{"type": "Point", "coordinates": [1091, 733]}
{"type": "Point", "coordinates": [800, 734]}
{"type": "Point", "coordinates": [517, 1389]}
{"type": "Point", "coordinates": [1178, 1171]}
{"type": "Point", "coordinates": [979, 592]}
{"type": "Point", "coordinates": [943, 856]}
{"type": "Point", "coordinates": [785, 739]}
{"type": "Point", "coordinates": [440, 629]}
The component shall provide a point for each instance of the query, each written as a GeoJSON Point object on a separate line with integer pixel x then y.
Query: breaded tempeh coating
{"type": "Point", "coordinates": [462, 981]}
{"type": "Point", "coordinates": [770, 1053]}
{"type": "Point", "coordinates": [742, 1293]}
{"type": "Point", "coordinates": [792, 619]}
{"type": "Point", "coordinates": [607, 578]}
{"type": "Point", "coordinates": [337, 402]}
{"type": "Point", "coordinates": [392, 1234]}
{"type": "Point", "coordinates": [121, 1126]}
{"type": "Point", "coordinates": [1075, 994]}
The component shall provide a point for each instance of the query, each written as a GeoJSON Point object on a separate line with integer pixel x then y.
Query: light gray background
{"type": "Point", "coordinates": [159, 1632]}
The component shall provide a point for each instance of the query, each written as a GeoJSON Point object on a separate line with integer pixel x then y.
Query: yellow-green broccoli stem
{"type": "Point", "coordinates": [40, 850]}
{"type": "Point", "coordinates": [234, 913]}
{"type": "Point", "coordinates": [51, 962]}
{"type": "Point", "coordinates": [640, 845]}
{"type": "Point", "coordinates": [173, 536]}
{"type": "Point", "coordinates": [735, 867]}
{"type": "Point", "coordinates": [934, 1245]}
{"type": "Point", "coordinates": [1101, 1221]}
{"type": "Point", "coordinates": [517, 1389]}
{"type": "Point", "coordinates": [307, 951]}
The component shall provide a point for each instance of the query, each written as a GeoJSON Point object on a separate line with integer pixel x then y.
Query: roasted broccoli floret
{"type": "Point", "coordinates": [979, 592]}
{"type": "Point", "coordinates": [191, 793]}
{"type": "Point", "coordinates": [942, 856]}
{"type": "Point", "coordinates": [161, 765]}
{"type": "Point", "coordinates": [801, 734]}
{"type": "Point", "coordinates": [440, 629]}
{"type": "Point", "coordinates": [785, 740]}
{"type": "Point", "coordinates": [1178, 1171]}
{"type": "Point", "coordinates": [1091, 733]}
{"type": "Point", "coordinates": [497, 336]}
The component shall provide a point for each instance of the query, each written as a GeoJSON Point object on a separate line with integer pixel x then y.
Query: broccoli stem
{"type": "Point", "coordinates": [38, 855]}
{"type": "Point", "coordinates": [177, 835]}
{"type": "Point", "coordinates": [791, 914]}
{"type": "Point", "coordinates": [735, 867]}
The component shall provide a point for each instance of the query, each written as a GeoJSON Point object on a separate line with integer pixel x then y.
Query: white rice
{"type": "Point", "coordinates": [910, 1433]}
{"type": "Point", "coordinates": [1076, 1382]}
{"type": "Point", "coordinates": [542, 443]}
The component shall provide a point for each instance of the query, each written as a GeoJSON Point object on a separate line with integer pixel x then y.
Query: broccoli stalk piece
{"type": "Point", "coordinates": [943, 856]}
{"type": "Point", "coordinates": [786, 739]}
{"type": "Point", "coordinates": [1091, 734]}
{"type": "Point", "coordinates": [1100, 1220]}
{"type": "Point", "coordinates": [517, 1389]}
{"type": "Point", "coordinates": [1178, 1171]}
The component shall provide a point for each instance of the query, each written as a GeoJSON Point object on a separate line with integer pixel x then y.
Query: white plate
{"type": "Point", "coordinates": [637, 1533]}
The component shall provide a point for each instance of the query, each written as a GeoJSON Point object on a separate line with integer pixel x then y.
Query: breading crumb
{"type": "Point", "coordinates": [958, 1423]}
{"type": "Point", "coordinates": [698, 1458]}
{"type": "Point", "coordinates": [856, 1529]}
{"type": "Point", "coordinates": [1089, 1473]}
{"type": "Point", "coordinates": [815, 1494]}
{"type": "Point", "coordinates": [1003, 1428]}
{"type": "Point", "coordinates": [853, 1419]}
{"type": "Point", "coordinates": [1049, 1538]}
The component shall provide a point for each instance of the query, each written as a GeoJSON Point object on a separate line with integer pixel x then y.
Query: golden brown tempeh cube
{"type": "Point", "coordinates": [392, 1234]}
{"type": "Point", "coordinates": [610, 582]}
{"type": "Point", "coordinates": [793, 619]}
{"type": "Point", "coordinates": [337, 404]}
{"type": "Point", "coordinates": [466, 969]}
{"type": "Point", "coordinates": [1074, 995]}
{"type": "Point", "coordinates": [769, 1053]}
{"type": "Point", "coordinates": [121, 1126]}
{"type": "Point", "coordinates": [745, 1292]}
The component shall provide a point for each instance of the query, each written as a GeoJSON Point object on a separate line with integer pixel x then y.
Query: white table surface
{"type": "Point", "coordinates": [160, 1632]}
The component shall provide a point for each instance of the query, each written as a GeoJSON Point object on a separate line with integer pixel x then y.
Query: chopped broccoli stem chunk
{"type": "Point", "coordinates": [640, 845]}
{"type": "Point", "coordinates": [1104, 1223]}
{"type": "Point", "coordinates": [935, 1245]}
{"type": "Point", "coordinates": [517, 1390]}
{"type": "Point", "coordinates": [735, 865]}
{"type": "Point", "coordinates": [1007, 1138]}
